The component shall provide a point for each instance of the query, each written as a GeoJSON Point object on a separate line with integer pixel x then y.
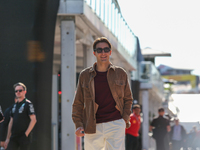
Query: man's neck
{"type": "Point", "coordinates": [102, 67]}
{"type": "Point", "coordinates": [137, 114]}
{"type": "Point", "coordinates": [20, 99]}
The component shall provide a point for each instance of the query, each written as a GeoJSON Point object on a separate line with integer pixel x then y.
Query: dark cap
{"type": "Point", "coordinates": [136, 106]}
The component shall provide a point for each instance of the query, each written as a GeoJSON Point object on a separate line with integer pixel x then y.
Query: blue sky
{"type": "Point", "coordinates": [172, 26]}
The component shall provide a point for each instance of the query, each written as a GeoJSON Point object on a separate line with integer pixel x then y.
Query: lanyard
{"type": "Point", "coordinates": [136, 117]}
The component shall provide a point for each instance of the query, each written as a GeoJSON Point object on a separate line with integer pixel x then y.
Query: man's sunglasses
{"type": "Point", "coordinates": [18, 91]}
{"type": "Point", "coordinates": [100, 50]}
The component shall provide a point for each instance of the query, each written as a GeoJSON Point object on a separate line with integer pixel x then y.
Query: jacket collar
{"type": "Point", "coordinates": [92, 69]}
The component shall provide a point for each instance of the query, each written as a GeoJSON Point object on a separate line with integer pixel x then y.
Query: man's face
{"type": "Point", "coordinates": [19, 92]}
{"type": "Point", "coordinates": [137, 111]}
{"type": "Point", "coordinates": [161, 113]}
{"type": "Point", "coordinates": [102, 57]}
{"type": "Point", "coordinates": [176, 122]}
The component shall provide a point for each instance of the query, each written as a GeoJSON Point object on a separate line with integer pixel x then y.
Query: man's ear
{"type": "Point", "coordinates": [94, 53]}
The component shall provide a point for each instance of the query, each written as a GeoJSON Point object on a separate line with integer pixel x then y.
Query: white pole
{"type": "Point", "coordinates": [54, 119]}
{"type": "Point", "coordinates": [145, 111]}
{"type": "Point", "coordinates": [68, 83]}
{"type": "Point", "coordinates": [145, 124]}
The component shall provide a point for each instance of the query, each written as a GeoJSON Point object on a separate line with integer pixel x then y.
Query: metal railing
{"type": "Point", "coordinates": [109, 13]}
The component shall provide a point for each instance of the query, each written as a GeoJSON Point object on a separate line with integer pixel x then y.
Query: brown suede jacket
{"type": "Point", "coordinates": [84, 107]}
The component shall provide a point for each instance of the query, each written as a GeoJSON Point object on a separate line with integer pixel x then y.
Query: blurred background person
{"type": "Point", "coordinates": [22, 121]}
{"type": "Point", "coordinates": [1, 120]}
{"type": "Point", "coordinates": [167, 136]}
{"type": "Point", "coordinates": [197, 139]}
{"type": "Point", "coordinates": [1, 115]}
{"type": "Point", "coordinates": [4, 125]}
{"type": "Point", "coordinates": [194, 141]}
{"type": "Point", "coordinates": [160, 127]}
{"type": "Point", "coordinates": [132, 133]}
{"type": "Point", "coordinates": [177, 135]}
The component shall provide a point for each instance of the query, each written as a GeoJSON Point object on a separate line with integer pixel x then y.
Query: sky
{"type": "Point", "coordinates": [186, 104]}
{"type": "Point", "coordinates": [171, 26]}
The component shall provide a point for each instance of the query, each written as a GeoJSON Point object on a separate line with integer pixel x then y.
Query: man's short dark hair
{"type": "Point", "coordinates": [136, 106]}
{"type": "Point", "coordinates": [100, 40]}
{"type": "Point", "coordinates": [161, 110]}
{"type": "Point", "coordinates": [20, 84]}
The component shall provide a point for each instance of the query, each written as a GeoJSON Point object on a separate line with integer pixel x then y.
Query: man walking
{"type": "Point", "coordinates": [22, 121]}
{"type": "Point", "coordinates": [132, 133]}
{"type": "Point", "coordinates": [160, 127]}
{"type": "Point", "coordinates": [102, 102]}
{"type": "Point", "coordinates": [177, 135]}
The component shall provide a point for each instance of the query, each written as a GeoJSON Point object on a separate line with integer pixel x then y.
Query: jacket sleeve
{"type": "Point", "coordinates": [78, 105]}
{"type": "Point", "coordinates": [128, 99]}
{"type": "Point", "coordinates": [183, 132]}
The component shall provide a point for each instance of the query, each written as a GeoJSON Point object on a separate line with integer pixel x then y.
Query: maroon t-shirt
{"type": "Point", "coordinates": [103, 97]}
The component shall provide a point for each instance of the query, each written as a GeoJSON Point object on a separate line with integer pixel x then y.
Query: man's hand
{"type": "Point", "coordinates": [6, 143]}
{"type": "Point", "coordinates": [26, 134]}
{"type": "Point", "coordinates": [2, 120]}
{"type": "Point", "coordinates": [150, 128]}
{"type": "Point", "coordinates": [2, 144]}
{"type": "Point", "coordinates": [168, 128]}
{"type": "Point", "coordinates": [79, 132]}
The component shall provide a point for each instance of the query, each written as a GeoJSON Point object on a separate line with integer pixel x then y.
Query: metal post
{"type": "Point", "coordinates": [145, 111]}
{"type": "Point", "coordinates": [54, 137]}
{"type": "Point", "coordinates": [68, 82]}
{"type": "Point", "coordinates": [145, 124]}
{"type": "Point", "coordinates": [91, 58]}
{"type": "Point", "coordinates": [54, 119]}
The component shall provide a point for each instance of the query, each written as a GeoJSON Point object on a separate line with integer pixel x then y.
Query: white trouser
{"type": "Point", "coordinates": [108, 136]}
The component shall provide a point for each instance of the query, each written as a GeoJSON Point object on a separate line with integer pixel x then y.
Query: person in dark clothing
{"type": "Point", "coordinates": [1, 115]}
{"type": "Point", "coordinates": [192, 142]}
{"type": "Point", "coordinates": [177, 135]}
{"type": "Point", "coordinates": [22, 121]}
{"type": "Point", "coordinates": [4, 125]}
{"type": "Point", "coordinates": [1, 120]}
{"type": "Point", "coordinates": [160, 127]}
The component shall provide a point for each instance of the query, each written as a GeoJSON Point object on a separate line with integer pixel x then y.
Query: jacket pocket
{"type": "Point", "coordinates": [120, 87]}
{"type": "Point", "coordinates": [86, 91]}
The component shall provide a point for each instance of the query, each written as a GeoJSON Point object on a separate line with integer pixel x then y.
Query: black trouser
{"type": "Point", "coordinates": [176, 145]}
{"type": "Point", "coordinates": [160, 143]}
{"type": "Point", "coordinates": [131, 142]}
{"type": "Point", "coordinates": [21, 142]}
